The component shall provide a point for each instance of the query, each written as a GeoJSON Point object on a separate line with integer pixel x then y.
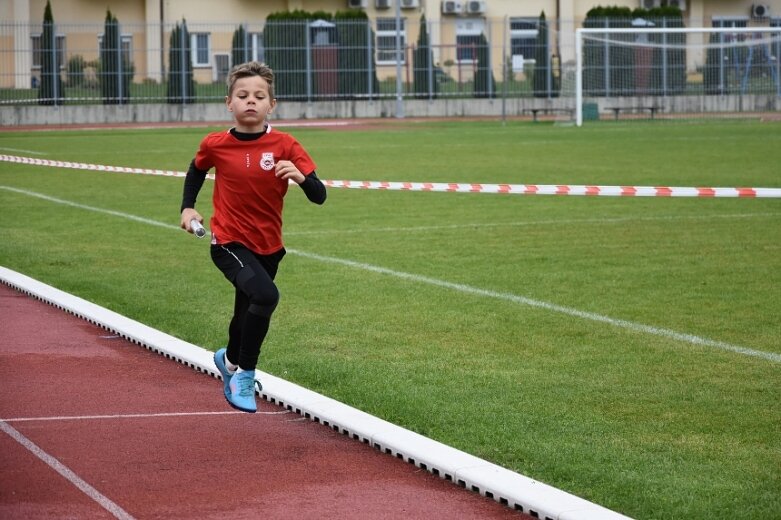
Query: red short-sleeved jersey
{"type": "Point", "coordinates": [248, 197]}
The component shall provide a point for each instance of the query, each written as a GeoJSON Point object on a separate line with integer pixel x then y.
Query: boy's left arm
{"type": "Point", "coordinates": [313, 188]}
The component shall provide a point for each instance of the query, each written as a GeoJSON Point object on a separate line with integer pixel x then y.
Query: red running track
{"type": "Point", "coordinates": [93, 426]}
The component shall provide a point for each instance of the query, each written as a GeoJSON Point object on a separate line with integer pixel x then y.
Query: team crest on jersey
{"type": "Point", "coordinates": [267, 161]}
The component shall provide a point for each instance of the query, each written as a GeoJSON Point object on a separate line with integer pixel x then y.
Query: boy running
{"type": "Point", "coordinates": [253, 165]}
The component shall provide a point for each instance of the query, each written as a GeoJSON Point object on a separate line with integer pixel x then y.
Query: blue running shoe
{"type": "Point", "coordinates": [219, 361]}
{"type": "Point", "coordinates": [242, 391]}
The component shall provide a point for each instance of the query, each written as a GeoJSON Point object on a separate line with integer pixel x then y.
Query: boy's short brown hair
{"type": "Point", "coordinates": [249, 69]}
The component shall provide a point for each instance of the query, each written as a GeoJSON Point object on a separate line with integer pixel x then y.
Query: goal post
{"type": "Point", "coordinates": [677, 72]}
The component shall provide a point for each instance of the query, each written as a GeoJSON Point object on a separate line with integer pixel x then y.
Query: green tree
{"type": "Point", "coordinates": [76, 65]}
{"type": "Point", "coordinates": [485, 84]}
{"type": "Point", "coordinates": [546, 81]}
{"type": "Point", "coordinates": [181, 85]}
{"type": "Point", "coordinates": [115, 70]}
{"type": "Point", "coordinates": [606, 64]}
{"type": "Point", "coordinates": [424, 81]}
{"type": "Point", "coordinates": [240, 47]}
{"type": "Point", "coordinates": [357, 68]}
{"type": "Point", "coordinates": [669, 64]}
{"type": "Point", "coordinates": [714, 73]}
{"type": "Point", "coordinates": [50, 91]}
{"type": "Point", "coordinates": [285, 44]}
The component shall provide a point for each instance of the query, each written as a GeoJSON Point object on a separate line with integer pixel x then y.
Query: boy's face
{"type": "Point", "coordinates": [250, 103]}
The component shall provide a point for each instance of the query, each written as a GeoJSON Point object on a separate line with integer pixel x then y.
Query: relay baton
{"type": "Point", "coordinates": [198, 229]}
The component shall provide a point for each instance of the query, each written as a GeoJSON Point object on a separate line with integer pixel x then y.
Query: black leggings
{"type": "Point", "coordinates": [256, 298]}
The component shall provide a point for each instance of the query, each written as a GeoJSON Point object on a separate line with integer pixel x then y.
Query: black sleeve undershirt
{"type": "Point", "coordinates": [314, 189]}
{"type": "Point", "coordinates": [193, 182]}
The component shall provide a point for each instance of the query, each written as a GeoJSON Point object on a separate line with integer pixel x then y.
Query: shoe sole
{"type": "Point", "coordinates": [239, 408]}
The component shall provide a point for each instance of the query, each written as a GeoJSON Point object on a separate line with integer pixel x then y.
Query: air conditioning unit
{"type": "Point", "coordinates": [357, 4]}
{"type": "Point", "coordinates": [410, 4]}
{"type": "Point", "coordinates": [475, 6]}
{"type": "Point", "coordinates": [760, 11]}
{"type": "Point", "coordinates": [382, 4]}
{"type": "Point", "coordinates": [451, 7]}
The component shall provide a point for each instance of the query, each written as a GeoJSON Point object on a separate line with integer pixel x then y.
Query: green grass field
{"type": "Point", "coordinates": [626, 350]}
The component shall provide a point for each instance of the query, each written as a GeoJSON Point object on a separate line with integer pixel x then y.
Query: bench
{"type": "Point", "coordinates": [652, 109]}
{"type": "Point", "coordinates": [546, 111]}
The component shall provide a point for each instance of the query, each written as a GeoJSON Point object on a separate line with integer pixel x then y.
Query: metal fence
{"type": "Point", "coordinates": [524, 58]}
{"type": "Point", "coordinates": [340, 59]}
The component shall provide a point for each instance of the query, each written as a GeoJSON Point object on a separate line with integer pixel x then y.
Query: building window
{"type": "Point", "coordinates": [200, 49]}
{"type": "Point", "coordinates": [467, 47]}
{"type": "Point", "coordinates": [258, 52]}
{"type": "Point", "coordinates": [729, 22]}
{"type": "Point", "coordinates": [253, 46]}
{"type": "Point", "coordinates": [59, 43]}
{"type": "Point", "coordinates": [523, 37]}
{"type": "Point", "coordinates": [126, 42]}
{"type": "Point", "coordinates": [386, 40]}
{"type": "Point", "coordinates": [469, 34]}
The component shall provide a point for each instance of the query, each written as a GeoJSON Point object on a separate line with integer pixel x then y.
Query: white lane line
{"type": "Point", "coordinates": [636, 327]}
{"type": "Point", "coordinates": [132, 416]}
{"type": "Point", "coordinates": [69, 475]}
{"type": "Point", "coordinates": [89, 208]}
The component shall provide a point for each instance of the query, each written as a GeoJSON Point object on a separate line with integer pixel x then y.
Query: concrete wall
{"type": "Point", "coordinates": [216, 113]}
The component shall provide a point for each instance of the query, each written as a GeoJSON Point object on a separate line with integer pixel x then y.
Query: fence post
{"type": "Point", "coordinates": [369, 61]}
{"type": "Point", "coordinates": [247, 55]}
{"type": "Point", "coordinates": [490, 65]}
{"type": "Point", "coordinates": [182, 67]}
{"type": "Point", "coordinates": [399, 100]}
{"type": "Point", "coordinates": [55, 67]}
{"type": "Point", "coordinates": [665, 79]}
{"type": "Point", "coordinates": [607, 61]}
{"type": "Point", "coordinates": [505, 79]}
{"type": "Point", "coordinates": [120, 66]}
{"type": "Point", "coordinates": [308, 62]}
{"type": "Point", "coordinates": [430, 61]}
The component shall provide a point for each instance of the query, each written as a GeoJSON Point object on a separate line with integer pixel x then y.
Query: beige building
{"type": "Point", "coordinates": [509, 25]}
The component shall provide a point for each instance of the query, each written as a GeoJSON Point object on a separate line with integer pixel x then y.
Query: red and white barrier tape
{"type": "Point", "coordinates": [96, 167]}
{"type": "Point", "coordinates": [517, 189]}
{"type": "Point", "coordinates": [550, 189]}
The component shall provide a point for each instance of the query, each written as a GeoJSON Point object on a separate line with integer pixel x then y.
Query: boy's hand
{"type": "Point", "coordinates": [287, 171]}
{"type": "Point", "coordinates": [187, 215]}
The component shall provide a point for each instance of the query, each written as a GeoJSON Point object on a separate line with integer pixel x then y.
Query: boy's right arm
{"type": "Point", "coordinates": [193, 182]}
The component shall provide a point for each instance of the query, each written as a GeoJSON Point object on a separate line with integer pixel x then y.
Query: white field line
{"type": "Point", "coordinates": [514, 298]}
{"type": "Point", "coordinates": [467, 289]}
{"type": "Point", "coordinates": [66, 473]}
{"type": "Point", "coordinates": [89, 208]}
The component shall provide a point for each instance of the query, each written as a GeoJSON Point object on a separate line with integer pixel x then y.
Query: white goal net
{"type": "Point", "coordinates": [677, 73]}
